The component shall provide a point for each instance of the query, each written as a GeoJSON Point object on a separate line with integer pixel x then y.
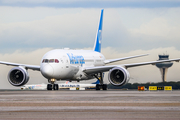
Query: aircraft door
{"type": "Point", "coordinates": [65, 61]}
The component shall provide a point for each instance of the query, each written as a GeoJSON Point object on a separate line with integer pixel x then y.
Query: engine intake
{"type": "Point", "coordinates": [18, 76]}
{"type": "Point", "coordinates": [118, 76]}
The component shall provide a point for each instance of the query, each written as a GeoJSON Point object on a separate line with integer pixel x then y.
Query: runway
{"type": "Point", "coordinates": [86, 105]}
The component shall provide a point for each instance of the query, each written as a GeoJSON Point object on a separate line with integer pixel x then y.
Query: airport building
{"type": "Point", "coordinates": [164, 66]}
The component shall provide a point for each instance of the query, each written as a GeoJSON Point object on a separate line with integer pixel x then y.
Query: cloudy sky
{"type": "Point", "coordinates": [30, 28]}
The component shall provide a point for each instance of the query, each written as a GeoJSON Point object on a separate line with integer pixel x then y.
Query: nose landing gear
{"type": "Point", "coordinates": [52, 86]}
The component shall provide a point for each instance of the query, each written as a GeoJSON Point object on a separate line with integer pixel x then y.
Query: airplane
{"type": "Point", "coordinates": [77, 65]}
{"type": "Point", "coordinates": [66, 85]}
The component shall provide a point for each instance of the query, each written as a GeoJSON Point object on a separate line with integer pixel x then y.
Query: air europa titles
{"type": "Point", "coordinates": [76, 59]}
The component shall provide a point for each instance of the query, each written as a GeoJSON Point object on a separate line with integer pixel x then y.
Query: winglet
{"type": "Point", "coordinates": [97, 44]}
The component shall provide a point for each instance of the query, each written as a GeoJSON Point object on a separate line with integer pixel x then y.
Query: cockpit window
{"type": "Point", "coordinates": [46, 60]}
{"type": "Point", "coordinates": [50, 61]}
{"type": "Point", "coordinates": [56, 61]}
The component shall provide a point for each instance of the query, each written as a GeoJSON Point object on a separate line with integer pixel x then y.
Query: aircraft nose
{"type": "Point", "coordinates": [47, 71]}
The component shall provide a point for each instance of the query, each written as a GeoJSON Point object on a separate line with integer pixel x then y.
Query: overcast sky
{"type": "Point", "coordinates": [30, 28]}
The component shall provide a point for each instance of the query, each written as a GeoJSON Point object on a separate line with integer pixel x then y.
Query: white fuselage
{"type": "Point", "coordinates": [61, 64]}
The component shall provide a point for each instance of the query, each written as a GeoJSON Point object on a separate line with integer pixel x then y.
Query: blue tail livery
{"type": "Point", "coordinates": [97, 44]}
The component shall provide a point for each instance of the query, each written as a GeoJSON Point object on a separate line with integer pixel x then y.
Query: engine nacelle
{"type": "Point", "coordinates": [18, 76]}
{"type": "Point", "coordinates": [118, 76]}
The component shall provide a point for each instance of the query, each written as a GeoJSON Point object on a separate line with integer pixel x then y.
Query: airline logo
{"type": "Point", "coordinates": [76, 59]}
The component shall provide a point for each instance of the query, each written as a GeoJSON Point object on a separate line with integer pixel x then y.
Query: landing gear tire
{"type": "Point", "coordinates": [97, 87]}
{"type": "Point", "coordinates": [104, 87]}
{"type": "Point", "coordinates": [56, 87]}
{"type": "Point", "coordinates": [49, 86]}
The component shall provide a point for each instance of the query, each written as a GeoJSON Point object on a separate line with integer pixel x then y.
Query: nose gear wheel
{"type": "Point", "coordinates": [52, 86]}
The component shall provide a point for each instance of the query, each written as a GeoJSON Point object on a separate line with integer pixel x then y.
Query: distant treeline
{"type": "Point", "coordinates": [175, 85]}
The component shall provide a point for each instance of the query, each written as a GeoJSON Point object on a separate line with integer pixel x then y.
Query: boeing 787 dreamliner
{"type": "Point", "coordinates": [77, 65]}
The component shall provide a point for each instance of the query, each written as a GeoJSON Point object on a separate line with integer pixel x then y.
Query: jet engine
{"type": "Point", "coordinates": [18, 76]}
{"type": "Point", "coordinates": [118, 76]}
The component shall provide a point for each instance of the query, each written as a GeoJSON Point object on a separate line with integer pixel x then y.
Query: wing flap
{"type": "Point", "coordinates": [93, 70]}
{"type": "Point", "coordinates": [151, 62]}
{"type": "Point", "coordinates": [125, 58]}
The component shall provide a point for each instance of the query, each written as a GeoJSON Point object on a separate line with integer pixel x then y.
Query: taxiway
{"type": "Point", "coordinates": [75, 105]}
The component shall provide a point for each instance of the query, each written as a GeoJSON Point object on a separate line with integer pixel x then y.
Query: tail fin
{"type": "Point", "coordinates": [97, 44]}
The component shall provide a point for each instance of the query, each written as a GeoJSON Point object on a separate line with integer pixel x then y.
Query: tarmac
{"type": "Point", "coordinates": [89, 105]}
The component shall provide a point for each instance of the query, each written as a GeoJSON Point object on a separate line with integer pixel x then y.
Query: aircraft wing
{"type": "Point", "coordinates": [151, 62]}
{"type": "Point", "coordinates": [32, 67]}
{"type": "Point", "coordinates": [93, 70]}
{"type": "Point", "coordinates": [125, 58]}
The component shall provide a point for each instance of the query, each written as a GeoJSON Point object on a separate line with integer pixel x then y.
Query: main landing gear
{"type": "Point", "coordinates": [52, 86]}
{"type": "Point", "coordinates": [100, 86]}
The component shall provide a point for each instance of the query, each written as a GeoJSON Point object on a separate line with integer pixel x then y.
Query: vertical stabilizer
{"type": "Point", "coordinates": [97, 44]}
